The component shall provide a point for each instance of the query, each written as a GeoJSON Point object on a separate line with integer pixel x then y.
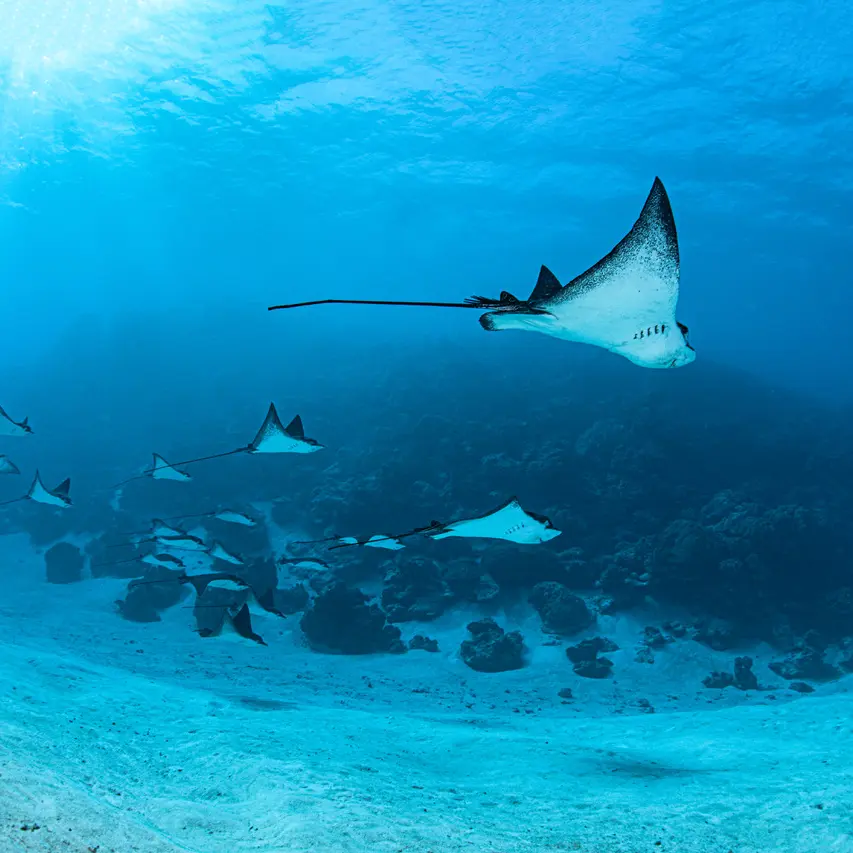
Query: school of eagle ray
{"type": "Point", "coordinates": [626, 303]}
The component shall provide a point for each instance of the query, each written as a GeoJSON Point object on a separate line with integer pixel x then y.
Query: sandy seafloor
{"type": "Point", "coordinates": [118, 737]}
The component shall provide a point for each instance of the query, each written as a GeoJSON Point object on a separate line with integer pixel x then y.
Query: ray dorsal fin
{"type": "Point", "coordinates": [63, 489]}
{"type": "Point", "coordinates": [507, 298]}
{"type": "Point", "coordinates": [546, 286]}
{"type": "Point", "coordinates": [295, 429]}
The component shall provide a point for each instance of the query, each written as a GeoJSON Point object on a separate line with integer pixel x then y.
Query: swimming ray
{"type": "Point", "coordinates": [273, 437]}
{"type": "Point", "coordinates": [160, 470]}
{"type": "Point", "coordinates": [39, 493]}
{"type": "Point", "coordinates": [309, 563]}
{"type": "Point", "coordinates": [625, 303]}
{"type": "Point", "coordinates": [509, 522]}
{"type": "Point", "coordinates": [7, 466]}
{"type": "Point", "coordinates": [163, 561]}
{"type": "Point", "coordinates": [158, 528]}
{"type": "Point", "coordinates": [389, 543]}
{"type": "Point", "coordinates": [9, 428]}
{"type": "Point", "coordinates": [183, 542]}
{"type": "Point", "coordinates": [218, 551]}
{"type": "Point", "coordinates": [236, 622]}
{"type": "Point", "coordinates": [229, 516]}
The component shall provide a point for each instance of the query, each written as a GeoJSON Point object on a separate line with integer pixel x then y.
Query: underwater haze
{"type": "Point", "coordinates": [561, 562]}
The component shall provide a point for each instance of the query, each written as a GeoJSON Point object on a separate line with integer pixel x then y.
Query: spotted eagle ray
{"type": "Point", "coordinates": [235, 622]}
{"type": "Point", "coordinates": [39, 493]}
{"type": "Point", "coordinates": [272, 437]}
{"type": "Point", "coordinates": [218, 551]}
{"type": "Point", "coordinates": [259, 604]}
{"type": "Point", "coordinates": [7, 466]}
{"type": "Point", "coordinates": [10, 428]}
{"type": "Point", "coordinates": [163, 561]}
{"type": "Point", "coordinates": [160, 470]}
{"type": "Point", "coordinates": [229, 516]}
{"type": "Point", "coordinates": [625, 303]}
{"type": "Point", "coordinates": [509, 522]}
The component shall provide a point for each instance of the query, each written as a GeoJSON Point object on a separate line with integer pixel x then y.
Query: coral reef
{"type": "Point", "coordinates": [491, 649]}
{"type": "Point", "coordinates": [340, 620]}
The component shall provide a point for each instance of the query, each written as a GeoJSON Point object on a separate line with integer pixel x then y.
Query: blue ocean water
{"type": "Point", "coordinates": [670, 672]}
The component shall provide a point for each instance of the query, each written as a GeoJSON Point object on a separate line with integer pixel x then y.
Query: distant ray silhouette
{"type": "Point", "coordinates": [160, 470]}
{"type": "Point", "coordinates": [9, 428]}
{"type": "Point", "coordinates": [271, 438]}
{"type": "Point", "coordinates": [7, 466]}
{"type": "Point", "coordinates": [229, 516]}
{"type": "Point", "coordinates": [219, 552]}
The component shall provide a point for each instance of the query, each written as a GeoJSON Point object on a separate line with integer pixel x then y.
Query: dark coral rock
{"type": "Point", "coordinates": [414, 591]}
{"type": "Point", "coordinates": [468, 582]}
{"type": "Point", "coordinates": [588, 650]}
{"type": "Point", "coordinates": [422, 643]}
{"type": "Point", "coordinates": [341, 621]}
{"type": "Point", "coordinates": [801, 687]}
{"type": "Point", "coordinates": [64, 563]}
{"type": "Point", "coordinates": [717, 634]}
{"type": "Point", "coordinates": [146, 600]}
{"type": "Point", "coordinates": [522, 568]}
{"type": "Point", "coordinates": [687, 554]}
{"type": "Point", "coordinates": [598, 668]}
{"type": "Point", "coordinates": [654, 638]}
{"type": "Point", "coordinates": [719, 680]}
{"type": "Point", "coordinates": [291, 599]}
{"type": "Point", "coordinates": [805, 662]}
{"type": "Point", "coordinates": [137, 609]}
{"type": "Point", "coordinates": [624, 575]}
{"type": "Point", "coordinates": [644, 655]}
{"type": "Point", "coordinates": [676, 629]}
{"type": "Point", "coordinates": [578, 572]}
{"type": "Point", "coordinates": [566, 693]}
{"type": "Point", "coordinates": [562, 612]}
{"type": "Point", "coordinates": [838, 610]}
{"type": "Point", "coordinates": [744, 676]}
{"type": "Point", "coordinates": [491, 649]}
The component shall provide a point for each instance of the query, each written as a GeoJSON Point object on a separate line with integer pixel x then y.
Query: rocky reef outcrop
{"type": "Point", "coordinates": [342, 620]}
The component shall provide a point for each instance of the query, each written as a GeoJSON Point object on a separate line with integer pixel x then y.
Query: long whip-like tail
{"type": "Point", "coordinates": [474, 302]}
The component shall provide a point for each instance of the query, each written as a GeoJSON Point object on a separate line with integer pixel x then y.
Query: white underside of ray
{"type": "Point", "coordinates": [41, 495]}
{"type": "Point", "coordinates": [7, 466]}
{"type": "Point", "coordinates": [167, 544]}
{"type": "Point", "coordinates": [628, 300]}
{"type": "Point", "coordinates": [626, 303]}
{"type": "Point", "coordinates": [384, 542]}
{"type": "Point", "coordinates": [160, 529]}
{"type": "Point", "coordinates": [162, 470]}
{"type": "Point", "coordinates": [510, 523]}
{"type": "Point", "coordinates": [227, 585]}
{"type": "Point", "coordinates": [278, 441]}
{"type": "Point", "coordinates": [219, 553]}
{"type": "Point", "coordinates": [232, 517]}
